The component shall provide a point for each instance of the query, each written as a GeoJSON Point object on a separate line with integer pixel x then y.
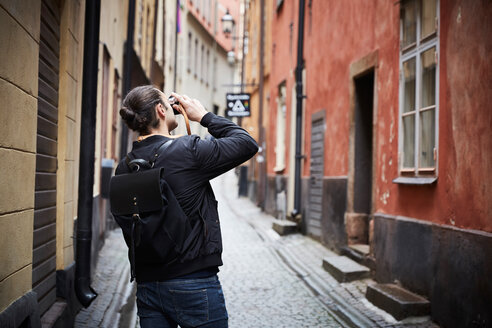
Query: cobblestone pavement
{"type": "Point", "coordinates": [293, 264]}
{"type": "Point", "coordinates": [111, 281]}
{"type": "Point", "coordinates": [260, 290]}
{"type": "Point", "coordinates": [268, 280]}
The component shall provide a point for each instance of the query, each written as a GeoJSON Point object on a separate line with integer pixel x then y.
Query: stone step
{"type": "Point", "coordinates": [284, 227]}
{"type": "Point", "coordinates": [344, 269]}
{"type": "Point", "coordinates": [359, 253]}
{"type": "Point", "coordinates": [397, 301]}
{"type": "Point", "coordinates": [361, 248]}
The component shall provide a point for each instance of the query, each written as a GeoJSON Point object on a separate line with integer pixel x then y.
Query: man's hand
{"type": "Point", "coordinates": [194, 109]}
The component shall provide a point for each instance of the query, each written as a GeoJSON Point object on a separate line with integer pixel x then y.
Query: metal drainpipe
{"type": "Point", "coordinates": [83, 290]}
{"type": "Point", "coordinates": [262, 165]}
{"type": "Point", "coordinates": [127, 71]}
{"type": "Point", "coordinates": [299, 96]}
{"type": "Point", "coordinates": [176, 47]}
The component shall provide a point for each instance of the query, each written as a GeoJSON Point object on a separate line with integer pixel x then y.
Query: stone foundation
{"type": "Point", "coordinates": [449, 266]}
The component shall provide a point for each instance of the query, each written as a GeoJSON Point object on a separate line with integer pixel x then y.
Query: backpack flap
{"type": "Point", "coordinates": [135, 193]}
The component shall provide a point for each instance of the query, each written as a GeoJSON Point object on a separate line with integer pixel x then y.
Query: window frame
{"type": "Point", "coordinates": [416, 50]}
{"type": "Point", "coordinates": [190, 52]}
{"type": "Point", "coordinates": [281, 128]}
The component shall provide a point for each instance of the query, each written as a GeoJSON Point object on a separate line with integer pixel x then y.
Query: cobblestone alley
{"type": "Point", "coordinates": [268, 280]}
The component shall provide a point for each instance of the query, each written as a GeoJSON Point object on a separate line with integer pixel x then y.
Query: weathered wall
{"type": "Point", "coordinates": [449, 266]}
{"type": "Point", "coordinates": [20, 24]}
{"type": "Point", "coordinates": [69, 112]}
{"type": "Point", "coordinates": [144, 32]}
{"type": "Point", "coordinates": [283, 63]}
{"type": "Point", "coordinates": [338, 34]}
{"type": "Point", "coordinates": [462, 195]}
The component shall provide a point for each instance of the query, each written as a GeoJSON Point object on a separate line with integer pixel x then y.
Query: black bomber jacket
{"type": "Point", "coordinates": [189, 164]}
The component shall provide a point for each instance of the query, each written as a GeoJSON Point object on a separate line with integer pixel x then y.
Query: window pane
{"type": "Point", "coordinates": [409, 85]}
{"type": "Point", "coordinates": [409, 141]}
{"type": "Point", "coordinates": [427, 138]}
{"type": "Point", "coordinates": [409, 18]}
{"type": "Point", "coordinates": [429, 77]}
{"type": "Point", "coordinates": [428, 17]}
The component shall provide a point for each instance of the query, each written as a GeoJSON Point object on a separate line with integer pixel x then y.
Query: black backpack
{"type": "Point", "coordinates": [154, 226]}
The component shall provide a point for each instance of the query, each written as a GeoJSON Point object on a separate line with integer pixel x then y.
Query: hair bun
{"type": "Point", "coordinates": [127, 114]}
{"type": "Point", "coordinates": [138, 109]}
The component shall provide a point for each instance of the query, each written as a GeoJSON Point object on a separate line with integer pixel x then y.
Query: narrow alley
{"type": "Point", "coordinates": [268, 280]}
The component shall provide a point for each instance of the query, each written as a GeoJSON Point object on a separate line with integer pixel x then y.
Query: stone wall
{"type": "Point", "coordinates": [450, 266]}
{"type": "Point", "coordinates": [20, 24]}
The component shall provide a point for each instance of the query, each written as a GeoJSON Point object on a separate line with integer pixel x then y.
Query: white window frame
{"type": "Point", "coordinates": [281, 128]}
{"type": "Point", "coordinates": [407, 53]}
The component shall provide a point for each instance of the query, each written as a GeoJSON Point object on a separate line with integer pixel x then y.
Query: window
{"type": "Point", "coordinates": [202, 64]}
{"type": "Point", "coordinates": [207, 70]}
{"type": "Point", "coordinates": [418, 87]}
{"type": "Point", "coordinates": [196, 58]}
{"type": "Point", "coordinates": [188, 64]}
{"type": "Point", "coordinates": [214, 74]}
{"type": "Point", "coordinates": [281, 118]}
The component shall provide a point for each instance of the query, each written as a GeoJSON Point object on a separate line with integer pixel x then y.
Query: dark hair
{"type": "Point", "coordinates": [138, 108]}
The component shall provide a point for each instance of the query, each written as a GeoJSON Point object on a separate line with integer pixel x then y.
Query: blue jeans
{"type": "Point", "coordinates": [185, 302]}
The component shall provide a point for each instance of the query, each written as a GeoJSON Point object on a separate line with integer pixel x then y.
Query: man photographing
{"type": "Point", "coordinates": [185, 291]}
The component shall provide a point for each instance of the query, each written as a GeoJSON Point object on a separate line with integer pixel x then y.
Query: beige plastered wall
{"type": "Point", "coordinates": [113, 26]}
{"type": "Point", "coordinates": [69, 116]}
{"type": "Point", "coordinates": [19, 39]}
{"type": "Point", "coordinates": [144, 32]}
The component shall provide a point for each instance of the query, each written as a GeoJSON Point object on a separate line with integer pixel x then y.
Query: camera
{"type": "Point", "coordinates": [173, 101]}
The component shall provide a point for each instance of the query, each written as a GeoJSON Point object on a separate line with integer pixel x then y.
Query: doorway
{"type": "Point", "coordinates": [316, 171]}
{"type": "Point", "coordinates": [358, 216]}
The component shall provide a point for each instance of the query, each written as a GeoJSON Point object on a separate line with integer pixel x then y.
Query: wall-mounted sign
{"type": "Point", "coordinates": [238, 104]}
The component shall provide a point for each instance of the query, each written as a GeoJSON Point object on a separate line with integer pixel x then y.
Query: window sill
{"type": "Point", "coordinates": [279, 169]}
{"type": "Point", "coordinates": [415, 180]}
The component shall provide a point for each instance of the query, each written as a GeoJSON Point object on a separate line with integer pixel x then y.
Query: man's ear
{"type": "Point", "coordinates": [160, 110]}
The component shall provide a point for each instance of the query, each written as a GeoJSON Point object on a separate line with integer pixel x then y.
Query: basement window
{"type": "Point", "coordinates": [418, 109]}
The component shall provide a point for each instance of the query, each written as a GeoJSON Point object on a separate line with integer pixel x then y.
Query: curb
{"type": "Point", "coordinates": [335, 304]}
{"type": "Point", "coordinates": [112, 314]}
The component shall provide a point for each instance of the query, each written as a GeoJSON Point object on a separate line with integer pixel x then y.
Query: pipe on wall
{"type": "Point", "coordinates": [262, 167]}
{"type": "Point", "coordinates": [83, 290]}
{"type": "Point", "coordinates": [299, 97]}
{"type": "Point", "coordinates": [127, 71]}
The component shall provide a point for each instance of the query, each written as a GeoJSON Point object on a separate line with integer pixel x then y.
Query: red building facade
{"type": "Point", "coordinates": [397, 141]}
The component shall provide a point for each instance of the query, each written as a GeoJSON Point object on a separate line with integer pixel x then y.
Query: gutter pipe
{"type": "Point", "coordinates": [262, 164]}
{"type": "Point", "coordinates": [299, 96]}
{"type": "Point", "coordinates": [127, 71]}
{"type": "Point", "coordinates": [83, 290]}
{"type": "Point", "coordinates": [175, 73]}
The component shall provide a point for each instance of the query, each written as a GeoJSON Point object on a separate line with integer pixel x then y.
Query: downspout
{"type": "Point", "coordinates": [176, 46]}
{"type": "Point", "coordinates": [127, 71]}
{"type": "Point", "coordinates": [262, 166]}
{"type": "Point", "coordinates": [299, 96]}
{"type": "Point", "coordinates": [83, 290]}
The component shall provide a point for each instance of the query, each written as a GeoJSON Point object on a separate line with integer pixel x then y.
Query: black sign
{"type": "Point", "coordinates": [238, 104]}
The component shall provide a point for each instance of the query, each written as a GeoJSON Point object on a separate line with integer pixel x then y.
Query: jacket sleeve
{"type": "Point", "coordinates": [230, 146]}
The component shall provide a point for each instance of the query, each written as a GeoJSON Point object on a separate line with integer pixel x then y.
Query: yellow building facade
{"type": "Point", "coordinates": [40, 84]}
{"type": "Point", "coordinates": [41, 73]}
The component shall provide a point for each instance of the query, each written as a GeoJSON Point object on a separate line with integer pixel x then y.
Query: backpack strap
{"type": "Point", "coordinates": [160, 150]}
{"type": "Point", "coordinates": [135, 164]}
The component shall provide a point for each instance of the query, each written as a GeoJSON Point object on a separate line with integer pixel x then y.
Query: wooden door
{"type": "Point", "coordinates": [316, 174]}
